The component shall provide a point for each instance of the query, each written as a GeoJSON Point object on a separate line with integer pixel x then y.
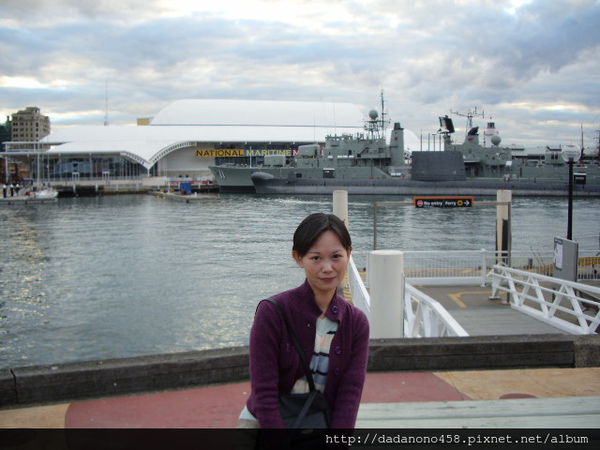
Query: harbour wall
{"type": "Point", "coordinates": [93, 379]}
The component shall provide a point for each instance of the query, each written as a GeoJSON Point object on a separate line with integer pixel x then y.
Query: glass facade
{"type": "Point", "coordinates": [53, 168]}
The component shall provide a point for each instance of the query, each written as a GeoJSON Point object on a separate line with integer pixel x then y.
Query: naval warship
{"type": "Point", "coordinates": [465, 168]}
{"type": "Point", "coordinates": [365, 155]}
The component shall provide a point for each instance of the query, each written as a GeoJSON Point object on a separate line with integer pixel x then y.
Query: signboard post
{"type": "Point", "coordinates": [455, 201]}
{"type": "Point", "coordinates": [444, 202]}
{"type": "Point", "coordinates": [566, 254]}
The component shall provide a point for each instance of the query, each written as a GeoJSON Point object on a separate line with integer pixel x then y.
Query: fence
{"type": "Point", "coordinates": [360, 295]}
{"type": "Point", "coordinates": [426, 317]}
{"type": "Point", "coordinates": [472, 266]}
{"type": "Point", "coordinates": [423, 316]}
{"type": "Point", "coordinates": [572, 307]}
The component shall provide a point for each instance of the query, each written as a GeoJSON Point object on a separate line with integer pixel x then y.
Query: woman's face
{"type": "Point", "coordinates": [325, 263]}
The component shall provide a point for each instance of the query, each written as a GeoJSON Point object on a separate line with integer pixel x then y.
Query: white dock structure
{"type": "Point", "coordinates": [537, 304]}
{"type": "Point", "coordinates": [396, 300]}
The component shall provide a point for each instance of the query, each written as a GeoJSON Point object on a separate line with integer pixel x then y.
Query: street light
{"type": "Point", "coordinates": [571, 154]}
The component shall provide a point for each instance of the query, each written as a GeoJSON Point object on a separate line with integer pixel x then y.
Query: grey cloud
{"type": "Point", "coordinates": [442, 55]}
{"type": "Point", "coordinates": [60, 10]}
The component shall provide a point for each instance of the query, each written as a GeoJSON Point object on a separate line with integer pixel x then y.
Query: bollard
{"type": "Point", "coordinates": [340, 205]}
{"type": "Point", "coordinates": [386, 285]}
{"type": "Point", "coordinates": [340, 210]}
{"type": "Point", "coordinates": [503, 227]}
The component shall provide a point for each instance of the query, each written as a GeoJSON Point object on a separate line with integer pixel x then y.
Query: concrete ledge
{"type": "Point", "coordinates": [65, 382]}
{"type": "Point", "coordinates": [477, 352]}
{"type": "Point", "coordinates": [8, 392]}
{"type": "Point", "coordinates": [93, 379]}
{"type": "Point", "coordinates": [587, 350]}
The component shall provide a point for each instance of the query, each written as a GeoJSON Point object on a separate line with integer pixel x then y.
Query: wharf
{"type": "Point", "coordinates": [519, 398]}
{"type": "Point", "coordinates": [480, 315]}
{"type": "Point", "coordinates": [472, 308]}
{"type": "Point", "coordinates": [496, 380]}
{"type": "Point", "coordinates": [25, 200]}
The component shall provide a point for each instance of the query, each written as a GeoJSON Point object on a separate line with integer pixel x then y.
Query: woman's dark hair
{"type": "Point", "coordinates": [313, 226]}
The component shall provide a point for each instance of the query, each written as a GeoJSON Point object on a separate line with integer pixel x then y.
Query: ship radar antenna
{"type": "Point", "coordinates": [383, 114]}
{"type": "Point", "coordinates": [469, 115]}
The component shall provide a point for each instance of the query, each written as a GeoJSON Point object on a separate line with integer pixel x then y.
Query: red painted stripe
{"type": "Point", "coordinates": [220, 406]}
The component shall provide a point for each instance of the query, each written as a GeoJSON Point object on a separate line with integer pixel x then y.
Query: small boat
{"type": "Point", "coordinates": [46, 193]}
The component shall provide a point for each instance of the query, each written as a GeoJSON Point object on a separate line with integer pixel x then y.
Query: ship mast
{"type": "Point", "coordinates": [469, 115]}
{"type": "Point", "coordinates": [383, 113]}
{"type": "Point", "coordinates": [581, 155]}
{"type": "Point", "coordinates": [106, 103]}
{"type": "Point", "coordinates": [598, 146]}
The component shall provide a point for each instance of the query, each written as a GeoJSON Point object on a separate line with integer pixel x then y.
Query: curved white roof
{"type": "Point", "coordinates": [219, 121]}
{"type": "Point", "coordinates": [259, 113]}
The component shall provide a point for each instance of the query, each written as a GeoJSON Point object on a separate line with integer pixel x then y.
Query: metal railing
{"type": "Point", "coordinates": [446, 268]}
{"type": "Point", "coordinates": [360, 295]}
{"type": "Point", "coordinates": [571, 307]}
{"type": "Point", "coordinates": [471, 266]}
{"type": "Point", "coordinates": [423, 316]}
{"type": "Point", "coordinates": [426, 317]}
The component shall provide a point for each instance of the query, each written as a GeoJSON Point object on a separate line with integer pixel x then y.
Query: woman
{"type": "Point", "coordinates": [333, 334]}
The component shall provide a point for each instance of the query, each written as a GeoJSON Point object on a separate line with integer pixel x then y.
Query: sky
{"type": "Point", "coordinates": [531, 66]}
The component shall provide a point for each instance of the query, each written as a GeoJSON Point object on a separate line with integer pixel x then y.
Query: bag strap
{"type": "Point", "coordinates": [294, 337]}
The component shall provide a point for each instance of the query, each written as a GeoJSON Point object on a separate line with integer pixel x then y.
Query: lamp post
{"type": "Point", "coordinates": [571, 154]}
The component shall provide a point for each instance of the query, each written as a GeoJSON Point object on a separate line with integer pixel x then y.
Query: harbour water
{"type": "Point", "coordinates": [120, 276]}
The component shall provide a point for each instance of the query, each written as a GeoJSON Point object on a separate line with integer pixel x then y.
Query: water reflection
{"type": "Point", "coordinates": [110, 277]}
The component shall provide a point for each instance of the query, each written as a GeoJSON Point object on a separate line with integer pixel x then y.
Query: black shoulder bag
{"type": "Point", "coordinates": [305, 411]}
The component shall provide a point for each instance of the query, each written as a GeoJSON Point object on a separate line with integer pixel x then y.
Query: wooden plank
{"type": "Point", "coordinates": [530, 412]}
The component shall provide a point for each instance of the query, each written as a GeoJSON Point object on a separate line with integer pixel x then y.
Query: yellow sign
{"type": "Point", "coordinates": [235, 152]}
{"type": "Point", "coordinates": [220, 153]}
{"type": "Point", "coordinates": [250, 152]}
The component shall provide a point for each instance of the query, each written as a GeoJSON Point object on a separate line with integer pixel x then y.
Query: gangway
{"type": "Point", "coordinates": [569, 306]}
{"type": "Point", "coordinates": [538, 304]}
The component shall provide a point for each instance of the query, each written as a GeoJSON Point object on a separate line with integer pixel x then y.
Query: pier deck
{"type": "Point", "coordinates": [538, 398]}
{"type": "Point", "coordinates": [479, 316]}
{"type": "Point", "coordinates": [25, 200]}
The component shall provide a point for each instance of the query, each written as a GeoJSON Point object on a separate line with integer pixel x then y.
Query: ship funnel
{"type": "Point", "coordinates": [397, 145]}
{"type": "Point", "coordinates": [473, 136]}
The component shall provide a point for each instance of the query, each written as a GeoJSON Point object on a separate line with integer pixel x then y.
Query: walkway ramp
{"type": "Point", "coordinates": [543, 413]}
{"type": "Point", "coordinates": [488, 321]}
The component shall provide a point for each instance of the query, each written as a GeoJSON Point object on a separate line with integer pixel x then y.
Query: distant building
{"type": "Point", "coordinates": [182, 140]}
{"type": "Point", "coordinates": [29, 125]}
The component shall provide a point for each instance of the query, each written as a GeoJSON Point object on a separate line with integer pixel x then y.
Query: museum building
{"type": "Point", "coordinates": [184, 139]}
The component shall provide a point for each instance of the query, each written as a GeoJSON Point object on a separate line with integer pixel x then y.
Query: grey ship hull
{"type": "Point", "coordinates": [232, 179]}
{"type": "Point", "coordinates": [267, 184]}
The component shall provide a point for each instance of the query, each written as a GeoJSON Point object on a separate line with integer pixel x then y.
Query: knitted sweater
{"type": "Point", "coordinates": [275, 365]}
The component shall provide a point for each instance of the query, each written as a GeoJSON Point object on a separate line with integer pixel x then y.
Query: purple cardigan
{"type": "Point", "coordinates": [275, 365]}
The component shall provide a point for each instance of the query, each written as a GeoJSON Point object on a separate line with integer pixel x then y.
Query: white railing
{"type": "Point", "coordinates": [446, 268]}
{"type": "Point", "coordinates": [465, 267]}
{"type": "Point", "coordinates": [571, 307]}
{"type": "Point", "coordinates": [423, 316]}
{"type": "Point", "coordinates": [360, 295]}
{"type": "Point", "coordinates": [426, 317]}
